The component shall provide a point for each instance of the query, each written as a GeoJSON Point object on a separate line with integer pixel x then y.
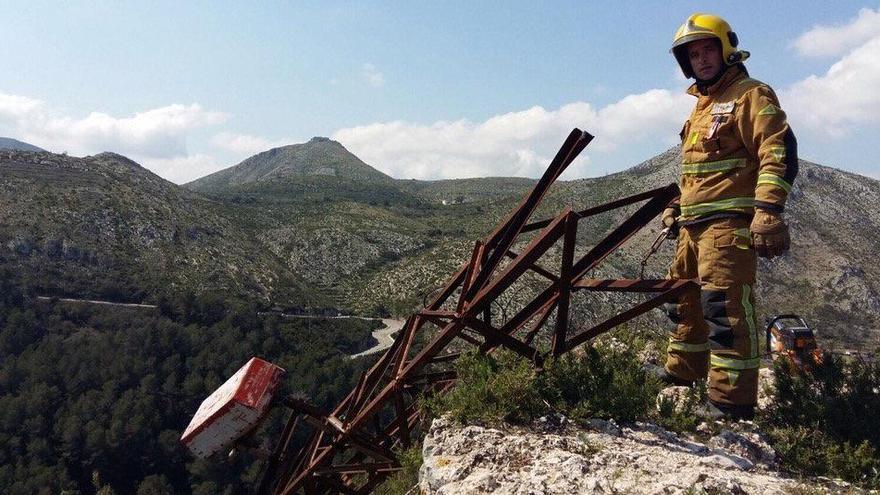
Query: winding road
{"type": "Point", "coordinates": [383, 335]}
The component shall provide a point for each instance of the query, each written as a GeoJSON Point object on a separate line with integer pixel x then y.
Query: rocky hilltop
{"type": "Point", "coordinates": [559, 457]}
{"type": "Point", "coordinates": [319, 157]}
{"type": "Point", "coordinates": [104, 227]}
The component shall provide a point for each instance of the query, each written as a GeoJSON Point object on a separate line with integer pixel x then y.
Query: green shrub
{"type": "Point", "coordinates": [824, 422]}
{"type": "Point", "coordinates": [682, 417]}
{"type": "Point", "coordinates": [603, 381]}
{"type": "Point", "coordinates": [401, 482]}
{"type": "Point", "coordinates": [491, 388]}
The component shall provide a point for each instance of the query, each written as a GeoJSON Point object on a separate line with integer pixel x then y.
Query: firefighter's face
{"type": "Point", "coordinates": [705, 58]}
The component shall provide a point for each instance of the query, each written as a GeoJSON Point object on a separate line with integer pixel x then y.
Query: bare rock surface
{"type": "Point", "coordinates": [558, 457]}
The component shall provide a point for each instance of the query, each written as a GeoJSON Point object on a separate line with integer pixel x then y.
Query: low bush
{"type": "Point", "coordinates": [491, 388]}
{"type": "Point", "coordinates": [824, 421]}
{"type": "Point", "coordinates": [603, 381]}
{"type": "Point", "coordinates": [403, 481]}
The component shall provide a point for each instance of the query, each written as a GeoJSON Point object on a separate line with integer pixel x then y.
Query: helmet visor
{"type": "Point", "coordinates": [683, 40]}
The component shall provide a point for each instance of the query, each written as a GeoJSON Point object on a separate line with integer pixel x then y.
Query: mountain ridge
{"type": "Point", "coordinates": [7, 143]}
{"type": "Point", "coordinates": [104, 226]}
{"type": "Point", "coordinates": [377, 247]}
{"type": "Point", "coordinates": [319, 156]}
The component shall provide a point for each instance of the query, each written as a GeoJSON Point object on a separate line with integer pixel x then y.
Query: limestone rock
{"type": "Point", "coordinates": [601, 458]}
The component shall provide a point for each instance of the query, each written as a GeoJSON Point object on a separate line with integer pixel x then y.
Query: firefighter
{"type": "Point", "coordinates": [739, 163]}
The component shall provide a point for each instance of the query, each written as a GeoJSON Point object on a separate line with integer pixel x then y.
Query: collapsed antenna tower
{"type": "Point", "coordinates": [351, 448]}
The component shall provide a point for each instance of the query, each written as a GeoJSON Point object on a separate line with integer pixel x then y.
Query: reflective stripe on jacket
{"type": "Point", "coordinates": [738, 149]}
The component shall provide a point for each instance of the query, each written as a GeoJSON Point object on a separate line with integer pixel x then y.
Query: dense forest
{"type": "Point", "coordinates": [94, 399]}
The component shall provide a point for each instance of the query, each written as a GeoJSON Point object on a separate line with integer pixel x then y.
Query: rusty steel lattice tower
{"type": "Point", "coordinates": [350, 449]}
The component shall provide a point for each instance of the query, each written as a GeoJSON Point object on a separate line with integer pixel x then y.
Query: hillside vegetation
{"type": "Point", "coordinates": [303, 228]}
{"type": "Point", "coordinates": [95, 398]}
{"type": "Point", "coordinates": [378, 245]}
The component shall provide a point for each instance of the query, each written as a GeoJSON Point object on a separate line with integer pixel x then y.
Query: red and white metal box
{"type": "Point", "coordinates": [233, 409]}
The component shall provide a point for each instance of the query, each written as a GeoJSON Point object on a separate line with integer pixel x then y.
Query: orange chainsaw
{"type": "Point", "coordinates": [790, 338]}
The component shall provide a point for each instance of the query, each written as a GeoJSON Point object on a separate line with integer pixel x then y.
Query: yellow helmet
{"type": "Point", "coordinates": [702, 26]}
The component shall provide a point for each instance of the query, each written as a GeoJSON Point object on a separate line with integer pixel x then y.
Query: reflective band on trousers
{"type": "Point", "coordinates": [709, 167]}
{"type": "Point", "coordinates": [710, 206]}
{"type": "Point", "coordinates": [675, 345]}
{"type": "Point", "coordinates": [775, 180]}
{"type": "Point", "coordinates": [734, 364]}
{"type": "Point", "coordinates": [750, 318]}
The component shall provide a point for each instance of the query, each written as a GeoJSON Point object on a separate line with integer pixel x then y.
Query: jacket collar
{"type": "Point", "coordinates": [731, 75]}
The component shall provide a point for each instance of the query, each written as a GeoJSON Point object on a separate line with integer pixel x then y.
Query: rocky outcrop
{"type": "Point", "coordinates": [559, 457]}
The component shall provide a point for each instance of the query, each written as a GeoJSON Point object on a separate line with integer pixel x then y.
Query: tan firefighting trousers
{"type": "Point", "coordinates": [716, 331]}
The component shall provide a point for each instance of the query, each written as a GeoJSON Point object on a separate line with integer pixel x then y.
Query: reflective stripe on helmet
{"type": "Point", "coordinates": [716, 166]}
{"type": "Point", "coordinates": [769, 179]}
{"type": "Point", "coordinates": [710, 206]}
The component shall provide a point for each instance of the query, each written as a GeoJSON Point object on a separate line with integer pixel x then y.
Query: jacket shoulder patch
{"type": "Point", "coordinates": [770, 109]}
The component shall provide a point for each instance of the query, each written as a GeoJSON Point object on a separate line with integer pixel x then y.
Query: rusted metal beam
{"type": "Point", "coordinates": [277, 459]}
{"type": "Point", "coordinates": [536, 268]}
{"type": "Point", "coordinates": [613, 205]}
{"type": "Point", "coordinates": [630, 226]}
{"type": "Point", "coordinates": [436, 313]}
{"type": "Point", "coordinates": [358, 468]}
{"type": "Point", "coordinates": [679, 288]}
{"type": "Point", "coordinates": [564, 284]}
{"type": "Point", "coordinates": [625, 285]}
{"type": "Point", "coordinates": [543, 313]}
{"type": "Point", "coordinates": [471, 273]}
{"type": "Point", "coordinates": [575, 143]}
{"type": "Point", "coordinates": [343, 444]}
{"type": "Point", "coordinates": [535, 249]}
{"type": "Point", "coordinates": [400, 407]}
{"type": "Point", "coordinates": [502, 338]}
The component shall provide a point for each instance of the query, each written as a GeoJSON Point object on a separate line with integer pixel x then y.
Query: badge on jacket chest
{"type": "Point", "coordinates": [720, 114]}
{"type": "Point", "coordinates": [722, 108]}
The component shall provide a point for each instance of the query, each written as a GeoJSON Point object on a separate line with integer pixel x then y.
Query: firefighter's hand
{"type": "Point", "coordinates": [769, 234]}
{"type": "Point", "coordinates": [670, 217]}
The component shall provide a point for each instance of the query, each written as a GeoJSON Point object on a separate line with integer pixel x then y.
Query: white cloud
{"type": "Point", "coordinates": [14, 107]}
{"type": "Point", "coordinates": [372, 75]}
{"type": "Point", "coordinates": [159, 133]}
{"type": "Point", "coordinates": [844, 96]}
{"type": "Point", "coordinates": [181, 169]}
{"type": "Point", "coordinates": [246, 144]}
{"type": "Point", "coordinates": [837, 40]}
{"type": "Point", "coordinates": [516, 143]}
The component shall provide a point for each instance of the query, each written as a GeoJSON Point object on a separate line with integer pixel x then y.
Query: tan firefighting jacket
{"type": "Point", "coordinates": [738, 150]}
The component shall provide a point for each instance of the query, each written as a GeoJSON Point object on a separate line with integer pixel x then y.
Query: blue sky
{"type": "Point", "coordinates": [416, 89]}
